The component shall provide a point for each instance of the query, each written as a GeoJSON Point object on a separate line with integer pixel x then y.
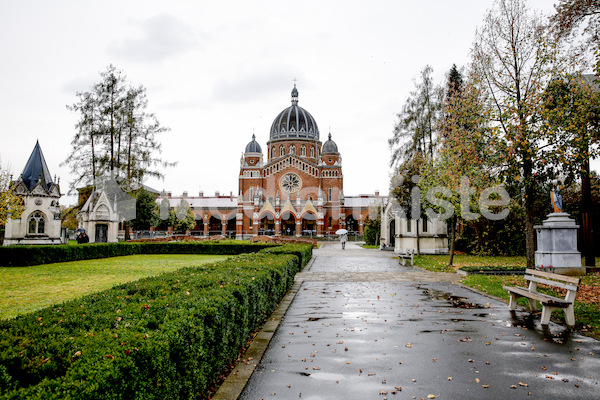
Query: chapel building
{"type": "Point", "coordinates": [40, 221]}
{"type": "Point", "coordinates": [297, 185]}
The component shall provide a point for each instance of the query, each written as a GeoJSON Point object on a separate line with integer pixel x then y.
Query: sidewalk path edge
{"type": "Point", "coordinates": [236, 381]}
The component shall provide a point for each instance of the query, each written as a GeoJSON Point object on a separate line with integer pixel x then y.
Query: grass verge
{"type": "Point", "coordinates": [370, 246]}
{"type": "Point", "coordinates": [439, 263]}
{"type": "Point", "coordinates": [26, 289]}
{"type": "Point", "coordinates": [587, 303]}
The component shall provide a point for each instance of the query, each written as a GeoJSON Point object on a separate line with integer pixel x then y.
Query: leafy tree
{"type": "Point", "coordinates": [115, 135]}
{"type": "Point", "coordinates": [372, 230]}
{"type": "Point", "coordinates": [572, 200]}
{"type": "Point", "coordinates": [571, 15]}
{"type": "Point", "coordinates": [406, 190]}
{"type": "Point", "coordinates": [514, 59]}
{"type": "Point", "coordinates": [415, 129]}
{"type": "Point", "coordinates": [185, 217]}
{"type": "Point", "coordinates": [464, 153]}
{"type": "Point", "coordinates": [573, 108]}
{"type": "Point", "coordinates": [145, 210]}
{"type": "Point", "coordinates": [166, 216]}
{"type": "Point", "coordinates": [68, 216]}
{"type": "Point", "coordinates": [11, 205]}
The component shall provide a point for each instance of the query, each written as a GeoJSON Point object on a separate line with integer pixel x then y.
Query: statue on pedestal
{"type": "Point", "coordinates": [556, 197]}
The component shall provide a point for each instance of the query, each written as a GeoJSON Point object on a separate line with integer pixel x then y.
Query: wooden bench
{"type": "Point", "coordinates": [549, 303]}
{"type": "Point", "coordinates": [409, 255]}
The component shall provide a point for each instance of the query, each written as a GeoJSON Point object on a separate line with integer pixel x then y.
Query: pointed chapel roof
{"type": "Point", "coordinates": [36, 170]}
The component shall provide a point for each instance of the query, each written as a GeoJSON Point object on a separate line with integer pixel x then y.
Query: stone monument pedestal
{"type": "Point", "coordinates": [557, 245]}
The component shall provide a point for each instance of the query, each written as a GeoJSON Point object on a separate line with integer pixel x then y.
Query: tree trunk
{"type": "Point", "coordinates": [126, 228]}
{"type": "Point", "coordinates": [93, 160]}
{"type": "Point", "coordinates": [529, 204]}
{"type": "Point", "coordinates": [586, 219]}
{"type": "Point", "coordinates": [452, 239]}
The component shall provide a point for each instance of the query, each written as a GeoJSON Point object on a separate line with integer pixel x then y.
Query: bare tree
{"type": "Point", "coordinates": [415, 130]}
{"type": "Point", "coordinates": [115, 135]}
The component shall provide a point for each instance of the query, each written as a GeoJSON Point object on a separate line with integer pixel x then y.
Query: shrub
{"type": "Point", "coordinates": [20, 256]}
{"type": "Point", "coordinates": [372, 231]}
{"type": "Point", "coordinates": [165, 337]}
{"type": "Point", "coordinates": [303, 251]}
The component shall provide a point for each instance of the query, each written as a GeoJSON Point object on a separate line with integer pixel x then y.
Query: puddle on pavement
{"type": "Point", "coordinates": [455, 301]}
{"type": "Point", "coordinates": [528, 320]}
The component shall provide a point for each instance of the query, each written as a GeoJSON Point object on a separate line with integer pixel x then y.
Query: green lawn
{"type": "Point", "coordinates": [26, 289]}
{"type": "Point", "coordinates": [439, 263]}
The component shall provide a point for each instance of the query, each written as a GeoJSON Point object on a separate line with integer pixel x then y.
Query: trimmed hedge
{"type": "Point", "coordinates": [303, 251]}
{"type": "Point", "coordinates": [21, 256]}
{"type": "Point", "coordinates": [165, 337]}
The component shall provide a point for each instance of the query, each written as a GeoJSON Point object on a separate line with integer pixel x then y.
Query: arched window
{"type": "Point", "coordinates": [251, 194]}
{"type": "Point", "coordinates": [282, 151]}
{"type": "Point", "coordinates": [292, 149]}
{"type": "Point", "coordinates": [312, 151]}
{"type": "Point", "coordinates": [303, 150]}
{"type": "Point", "coordinates": [37, 223]}
{"type": "Point", "coordinates": [330, 192]}
{"type": "Point", "coordinates": [273, 152]}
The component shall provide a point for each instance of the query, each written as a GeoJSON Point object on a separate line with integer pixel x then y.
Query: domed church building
{"type": "Point", "coordinates": [296, 187]}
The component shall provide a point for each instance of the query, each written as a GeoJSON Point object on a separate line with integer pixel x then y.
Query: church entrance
{"type": "Point", "coordinates": [309, 224]}
{"type": "Point", "coordinates": [288, 224]}
{"type": "Point", "coordinates": [215, 227]}
{"type": "Point", "coordinates": [267, 225]}
{"type": "Point", "coordinates": [351, 224]}
{"type": "Point", "coordinates": [101, 233]}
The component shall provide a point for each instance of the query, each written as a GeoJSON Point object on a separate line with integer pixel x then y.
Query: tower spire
{"type": "Point", "coordinates": [294, 94]}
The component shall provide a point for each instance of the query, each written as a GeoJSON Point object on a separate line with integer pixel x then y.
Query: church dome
{"type": "Point", "coordinates": [329, 146]}
{"type": "Point", "coordinates": [253, 146]}
{"type": "Point", "coordinates": [294, 122]}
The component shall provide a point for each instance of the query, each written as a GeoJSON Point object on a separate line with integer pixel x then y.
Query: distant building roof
{"type": "Point", "coordinates": [253, 146]}
{"type": "Point", "coordinates": [362, 201]}
{"type": "Point", "coordinates": [203, 202]}
{"type": "Point", "coordinates": [330, 146]}
{"type": "Point", "coordinates": [36, 170]}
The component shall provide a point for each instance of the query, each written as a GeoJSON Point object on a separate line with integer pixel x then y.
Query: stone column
{"type": "Point", "coordinates": [361, 225]}
{"type": "Point", "coordinates": [239, 225]}
{"type": "Point", "coordinates": [299, 228]}
{"type": "Point", "coordinates": [255, 223]}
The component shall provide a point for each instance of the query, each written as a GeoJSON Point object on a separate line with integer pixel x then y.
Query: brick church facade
{"type": "Point", "coordinates": [294, 187]}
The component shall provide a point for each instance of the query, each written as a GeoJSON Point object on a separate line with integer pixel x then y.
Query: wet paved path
{"type": "Point", "coordinates": [363, 327]}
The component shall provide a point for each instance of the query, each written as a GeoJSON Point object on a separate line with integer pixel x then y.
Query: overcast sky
{"type": "Point", "coordinates": [215, 72]}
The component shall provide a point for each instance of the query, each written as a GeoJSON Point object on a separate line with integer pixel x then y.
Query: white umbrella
{"type": "Point", "coordinates": [341, 232]}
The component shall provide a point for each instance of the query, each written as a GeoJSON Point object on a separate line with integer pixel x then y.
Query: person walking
{"type": "Point", "coordinates": [343, 239]}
